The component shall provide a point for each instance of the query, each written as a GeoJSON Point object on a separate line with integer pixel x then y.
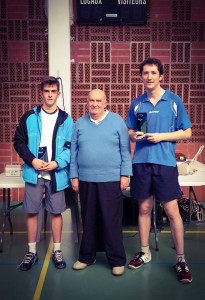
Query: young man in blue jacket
{"type": "Point", "coordinates": [42, 139]}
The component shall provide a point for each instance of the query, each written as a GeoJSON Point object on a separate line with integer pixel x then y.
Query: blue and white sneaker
{"type": "Point", "coordinates": [57, 258]}
{"type": "Point", "coordinates": [29, 260]}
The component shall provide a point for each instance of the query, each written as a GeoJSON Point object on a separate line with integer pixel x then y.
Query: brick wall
{"type": "Point", "coordinates": [105, 57]}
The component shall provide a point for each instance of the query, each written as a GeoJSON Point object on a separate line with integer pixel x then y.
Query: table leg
{"type": "Point", "coordinates": [8, 211]}
{"type": "Point", "coordinates": [4, 221]}
{"type": "Point", "coordinates": [6, 214]}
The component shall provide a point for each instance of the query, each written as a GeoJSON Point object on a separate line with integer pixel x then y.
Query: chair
{"type": "Point", "coordinates": [71, 198]}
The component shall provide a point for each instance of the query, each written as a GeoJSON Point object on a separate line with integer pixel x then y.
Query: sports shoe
{"type": "Point", "coordinates": [29, 260]}
{"type": "Point", "coordinates": [183, 272]}
{"type": "Point", "coordinates": [140, 259]}
{"type": "Point", "coordinates": [78, 265]}
{"type": "Point", "coordinates": [57, 258]}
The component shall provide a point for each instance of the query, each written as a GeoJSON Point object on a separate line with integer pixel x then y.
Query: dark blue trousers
{"type": "Point", "coordinates": [101, 211]}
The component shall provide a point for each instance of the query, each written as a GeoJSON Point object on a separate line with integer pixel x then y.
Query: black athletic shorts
{"type": "Point", "coordinates": [152, 179]}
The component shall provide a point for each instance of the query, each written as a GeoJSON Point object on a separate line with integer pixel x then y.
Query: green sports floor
{"type": "Point", "coordinates": [155, 280]}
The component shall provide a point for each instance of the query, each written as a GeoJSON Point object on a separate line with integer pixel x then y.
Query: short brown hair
{"type": "Point", "coordinates": [152, 61]}
{"type": "Point", "coordinates": [49, 80]}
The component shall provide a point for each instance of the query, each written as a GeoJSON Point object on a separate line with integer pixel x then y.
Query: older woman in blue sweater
{"type": "Point", "coordinates": [100, 169]}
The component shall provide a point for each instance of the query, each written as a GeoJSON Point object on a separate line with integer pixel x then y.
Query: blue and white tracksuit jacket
{"type": "Point", "coordinates": [27, 141]}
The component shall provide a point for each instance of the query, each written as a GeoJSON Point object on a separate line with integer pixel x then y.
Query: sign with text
{"type": "Point", "coordinates": [111, 12]}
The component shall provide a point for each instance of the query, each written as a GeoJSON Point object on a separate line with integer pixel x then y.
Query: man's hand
{"type": "Point", "coordinates": [136, 135]}
{"type": "Point", "coordinates": [50, 166]}
{"type": "Point", "coordinates": [154, 137]}
{"type": "Point", "coordinates": [41, 165]}
{"type": "Point", "coordinates": [124, 182]}
{"type": "Point", "coordinates": [38, 164]}
{"type": "Point", "coordinates": [75, 184]}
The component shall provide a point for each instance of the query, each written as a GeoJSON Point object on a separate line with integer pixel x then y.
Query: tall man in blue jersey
{"type": "Point", "coordinates": [99, 169]}
{"type": "Point", "coordinates": [154, 165]}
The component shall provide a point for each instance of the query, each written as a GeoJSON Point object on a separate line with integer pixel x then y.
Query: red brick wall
{"type": "Point", "coordinates": [106, 57]}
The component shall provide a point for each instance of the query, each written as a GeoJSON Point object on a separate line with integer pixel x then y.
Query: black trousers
{"type": "Point", "coordinates": [101, 211]}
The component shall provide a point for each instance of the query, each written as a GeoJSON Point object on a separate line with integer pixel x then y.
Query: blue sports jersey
{"type": "Point", "coordinates": [168, 115]}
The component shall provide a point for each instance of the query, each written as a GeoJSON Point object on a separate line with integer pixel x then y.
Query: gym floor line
{"type": "Point", "coordinates": [154, 280]}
